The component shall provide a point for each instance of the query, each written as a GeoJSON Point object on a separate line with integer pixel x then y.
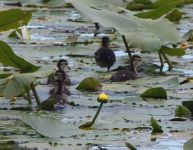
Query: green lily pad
{"type": "Point", "coordinates": [188, 36]}
{"type": "Point", "coordinates": [8, 58]}
{"type": "Point", "coordinates": [141, 33]}
{"type": "Point", "coordinates": [156, 93]}
{"type": "Point", "coordinates": [89, 84]}
{"type": "Point", "coordinates": [13, 18]}
{"type": "Point", "coordinates": [189, 105]}
{"type": "Point", "coordinates": [162, 7]}
{"type": "Point", "coordinates": [174, 16]}
{"type": "Point", "coordinates": [15, 85]}
{"type": "Point", "coordinates": [188, 145]}
{"type": "Point", "coordinates": [182, 111]}
{"type": "Point", "coordinates": [156, 127]}
{"type": "Point", "coordinates": [173, 51]}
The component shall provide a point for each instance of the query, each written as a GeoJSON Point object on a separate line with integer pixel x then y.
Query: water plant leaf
{"type": "Point", "coordinates": [89, 83]}
{"type": "Point", "coordinates": [156, 93]}
{"type": "Point", "coordinates": [173, 51]}
{"type": "Point", "coordinates": [8, 58]}
{"type": "Point", "coordinates": [162, 7]}
{"type": "Point", "coordinates": [182, 111]}
{"type": "Point", "coordinates": [14, 18]}
{"type": "Point", "coordinates": [142, 33]}
{"type": "Point", "coordinates": [130, 146]}
{"type": "Point", "coordinates": [15, 85]}
{"type": "Point", "coordinates": [189, 105]}
{"type": "Point", "coordinates": [188, 145]}
{"type": "Point", "coordinates": [21, 33]}
{"type": "Point", "coordinates": [188, 36]}
{"type": "Point", "coordinates": [174, 16]}
{"type": "Point", "coordinates": [156, 127]}
{"type": "Point", "coordinates": [48, 126]}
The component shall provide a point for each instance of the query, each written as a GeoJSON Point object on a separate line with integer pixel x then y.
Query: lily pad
{"type": "Point", "coordinates": [162, 7]}
{"type": "Point", "coordinates": [173, 51]}
{"type": "Point", "coordinates": [189, 105]}
{"type": "Point", "coordinates": [140, 33]}
{"type": "Point", "coordinates": [13, 18]}
{"type": "Point", "coordinates": [89, 84]}
{"type": "Point", "coordinates": [15, 85]}
{"type": "Point", "coordinates": [8, 58]}
{"type": "Point", "coordinates": [156, 93]}
{"type": "Point", "coordinates": [174, 16]}
{"type": "Point", "coordinates": [182, 111]}
{"type": "Point", "coordinates": [188, 145]}
{"type": "Point", "coordinates": [156, 127]}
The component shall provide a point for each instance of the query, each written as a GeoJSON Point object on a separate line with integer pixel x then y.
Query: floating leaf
{"type": "Point", "coordinates": [156, 127]}
{"type": "Point", "coordinates": [48, 126]}
{"type": "Point", "coordinates": [130, 146]}
{"type": "Point", "coordinates": [174, 16]}
{"type": "Point", "coordinates": [89, 83]}
{"type": "Point", "coordinates": [173, 51]}
{"type": "Point", "coordinates": [182, 111]}
{"type": "Point", "coordinates": [15, 85]}
{"type": "Point", "coordinates": [141, 33]}
{"type": "Point", "coordinates": [157, 93]}
{"type": "Point", "coordinates": [188, 145]}
{"type": "Point", "coordinates": [162, 8]}
{"type": "Point", "coordinates": [8, 58]}
{"type": "Point", "coordinates": [189, 105]}
{"type": "Point", "coordinates": [14, 18]}
{"type": "Point", "coordinates": [48, 104]}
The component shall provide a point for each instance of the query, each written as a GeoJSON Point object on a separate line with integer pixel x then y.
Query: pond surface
{"type": "Point", "coordinates": [126, 118]}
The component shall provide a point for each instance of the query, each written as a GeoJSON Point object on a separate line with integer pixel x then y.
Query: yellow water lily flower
{"type": "Point", "coordinates": [103, 98]}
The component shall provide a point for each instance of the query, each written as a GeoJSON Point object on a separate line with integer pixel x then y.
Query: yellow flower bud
{"type": "Point", "coordinates": [103, 98]}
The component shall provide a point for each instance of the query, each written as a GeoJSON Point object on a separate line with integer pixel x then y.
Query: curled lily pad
{"type": "Point", "coordinates": [156, 127]}
{"type": "Point", "coordinates": [156, 93]}
{"type": "Point", "coordinates": [89, 84]}
{"type": "Point", "coordinates": [182, 111]}
{"type": "Point", "coordinates": [173, 51]}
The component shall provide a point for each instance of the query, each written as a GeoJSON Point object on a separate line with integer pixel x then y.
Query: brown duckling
{"type": "Point", "coordinates": [58, 97]}
{"type": "Point", "coordinates": [104, 56]}
{"type": "Point", "coordinates": [130, 73]}
{"type": "Point", "coordinates": [62, 65]}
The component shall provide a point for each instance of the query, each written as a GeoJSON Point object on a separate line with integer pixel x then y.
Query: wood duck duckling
{"type": "Point", "coordinates": [62, 75]}
{"type": "Point", "coordinates": [104, 56]}
{"type": "Point", "coordinates": [58, 97]}
{"type": "Point", "coordinates": [62, 65]}
{"type": "Point", "coordinates": [130, 73]}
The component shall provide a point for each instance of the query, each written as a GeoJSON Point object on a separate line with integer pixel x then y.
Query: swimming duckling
{"type": "Point", "coordinates": [62, 65]}
{"type": "Point", "coordinates": [130, 73]}
{"type": "Point", "coordinates": [104, 56]}
{"type": "Point", "coordinates": [58, 97]}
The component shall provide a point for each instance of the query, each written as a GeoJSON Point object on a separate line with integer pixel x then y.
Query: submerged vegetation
{"type": "Point", "coordinates": [28, 61]}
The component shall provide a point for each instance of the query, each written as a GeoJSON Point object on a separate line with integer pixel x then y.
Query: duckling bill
{"type": "Point", "coordinates": [104, 56]}
{"type": "Point", "coordinates": [130, 73]}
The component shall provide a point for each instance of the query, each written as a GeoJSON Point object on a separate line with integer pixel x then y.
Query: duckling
{"type": "Point", "coordinates": [130, 73]}
{"type": "Point", "coordinates": [104, 56]}
{"type": "Point", "coordinates": [62, 65]}
{"type": "Point", "coordinates": [58, 98]}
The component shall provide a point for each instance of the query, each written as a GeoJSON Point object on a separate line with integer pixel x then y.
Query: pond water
{"type": "Point", "coordinates": [126, 118]}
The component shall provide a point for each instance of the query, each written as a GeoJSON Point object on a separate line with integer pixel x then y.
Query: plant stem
{"type": "Point", "coordinates": [35, 94]}
{"type": "Point", "coordinates": [97, 113]}
{"type": "Point", "coordinates": [161, 61]}
{"type": "Point", "coordinates": [29, 97]}
{"type": "Point", "coordinates": [166, 59]}
{"type": "Point", "coordinates": [127, 47]}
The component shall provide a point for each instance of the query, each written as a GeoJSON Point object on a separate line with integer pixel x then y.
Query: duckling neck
{"type": "Point", "coordinates": [133, 68]}
{"type": "Point", "coordinates": [104, 44]}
